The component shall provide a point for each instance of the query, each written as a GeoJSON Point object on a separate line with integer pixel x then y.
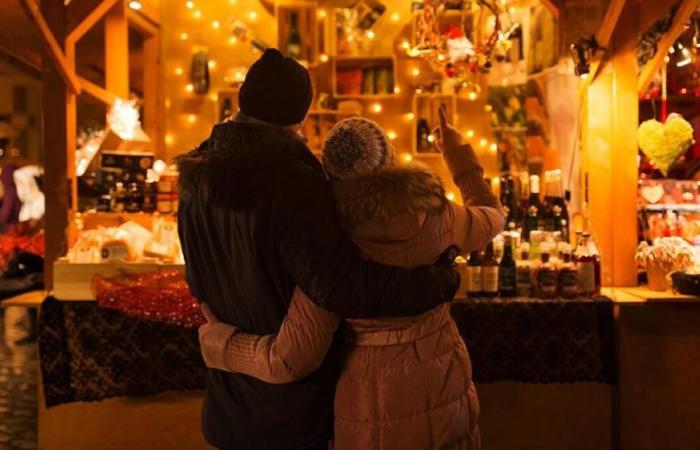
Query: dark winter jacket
{"type": "Point", "coordinates": [256, 219]}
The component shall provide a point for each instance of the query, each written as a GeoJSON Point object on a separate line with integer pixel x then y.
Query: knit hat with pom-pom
{"type": "Point", "coordinates": [356, 146]}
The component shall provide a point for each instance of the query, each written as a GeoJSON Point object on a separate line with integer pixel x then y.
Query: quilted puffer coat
{"type": "Point", "coordinates": [406, 383]}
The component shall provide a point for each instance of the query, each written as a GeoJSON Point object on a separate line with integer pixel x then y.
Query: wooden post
{"type": "Point", "coordinates": [117, 51]}
{"type": "Point", "coordinates": [610, 153]}
{"type": "Point", "coordinates": [55, 142]}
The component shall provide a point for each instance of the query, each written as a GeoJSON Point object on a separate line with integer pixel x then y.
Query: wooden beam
{"type": "Point", "coordinates": [610, 154]}
{"type": "Point", "coordinates": [52, 47]}
{"type": "Point", "coordinates": [153, 104]}
{"type": "Point", "coordinates": [117, 50]}
{"type": "Point", "coordinates": [142, 23]}
{"type": "Point", "coordinates": [685, 10]}
{"type": "Point", "coordinates": [24, 64]}
{"type": "Point", "coordinates": [98, 92]}
{"type": "Point", "coordinates": [55, 143]}
{"type": "Point", "coordinates": [549, 4]}
{"type": "Point", "coordinates": [90, 21]}
{"type": "Point", "coordinates": [602, 36]}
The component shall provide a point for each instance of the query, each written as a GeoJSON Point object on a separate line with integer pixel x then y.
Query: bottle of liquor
{"type": "Point", "coordinates": [423, 136]}
{"type": "Point", "coordinates": [369, 11]}
{"type": "Point", "coordinates": [510, 202]}
{"type": "Point", "coordinates": [546, 277]}
{"type": "Point", "coordinates": [523, 273]}
{"type": "Point", "coordinates": [226, 109]}
{"type": "Point", "coordinates": [533, 200]}
{"type": "Point", "coordinates": [556, 198]}
{"type": "Point", "coordinates": [530, 223]}
{"type": "Point", "coordinates": [294, 47]}
{"type": "Point", "coordinates": [568, 275]}
{"type": "Point", "coordinates": [199, 72]}
{"type": "Point", "coordinates": [507, 270]}
{"type": "Point", "coordinates": [489, 273]}
{"type": "Point", "coordinates": [560, 224]}
{"type": "Point", "coordinates": [474, 275]}
{"type": "Point", "coordinates": [587, 260]}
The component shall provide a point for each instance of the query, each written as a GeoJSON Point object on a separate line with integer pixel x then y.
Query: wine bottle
{"type": "Point", "coordinates": [568, 275]}
{"type": "Point", "coordinates": [489, 273]}
{"type": "Point", "coordinates": [523, 274]}
{"type": "Point", "coordinates": [546, 277]}
{"type": "Point", "coordinates": [587, 260]}
{"type": "Point", "coordinates": [509, 202]}
{"type": "Point", "coordinates": [533, 200]}
{"type": "Point", "coordinates": [369, 11]}
{"type": "Point", "coordinates": [294, 47]}
{"type": "Point", "coordinates": [507, 270]}
{"type": "Point", "coordinates": [423, 135]}
{"type": "Point", "coordinates": [474, 275]}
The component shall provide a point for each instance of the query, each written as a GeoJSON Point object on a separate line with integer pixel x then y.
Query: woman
{"type": "Point", "coordinates": [405, 383]}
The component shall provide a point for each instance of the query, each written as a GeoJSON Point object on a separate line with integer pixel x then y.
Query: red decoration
{"type": "Point", "coordinates": [23, 237]}
{"type": "Point", "coordinates": [155, 296]}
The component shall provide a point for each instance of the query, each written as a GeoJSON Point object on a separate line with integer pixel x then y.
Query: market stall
{"type": "Point", "coordinates": [546, 92]}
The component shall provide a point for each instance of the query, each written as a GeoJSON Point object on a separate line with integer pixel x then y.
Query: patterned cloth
{"type": "Point", "coordinates": [90, 353]}
{"type": "Point", "coordinates": [539, 341]}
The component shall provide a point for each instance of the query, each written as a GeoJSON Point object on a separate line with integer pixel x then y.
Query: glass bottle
{"type": "Point", "coordinates": [507, 270]}
{"type": "Point", "coordinates": [474, 275]}
{"type": "Point", "coordinates": [510, 202]}
{"type": "Point", "coordinates": [523, 273]}
{"type": "Point", "coordinates": [294, 47]}
{"type": "Point", "coordinates": [560, 224]}
{"type": "Point", "coordinates": [533, 201]}
{"type": "Point", "coordinates": [568, 275]}
{"type": "Point", "coordinates": [546, 278]}
{"type": "Point", "coordinates": [531, 223]}
{"type": "Point", "coordinates": [489, 273]}
{"type": "Point", "coordinates": [587, 260]}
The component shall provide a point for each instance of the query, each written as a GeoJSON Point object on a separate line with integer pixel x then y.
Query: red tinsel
{"type": "Point", "coordinates": [23, 237]}
{"type": "Point", "coordinates": [155, 296]}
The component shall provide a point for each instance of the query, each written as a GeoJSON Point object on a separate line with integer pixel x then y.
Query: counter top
{"type": "Point", "coordinates": [642, 294]}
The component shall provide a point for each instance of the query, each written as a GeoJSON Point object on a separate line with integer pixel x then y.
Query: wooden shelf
{"type": "Point", "coordinates": [360, 67]}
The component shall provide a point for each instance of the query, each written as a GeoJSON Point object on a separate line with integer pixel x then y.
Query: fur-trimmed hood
{"type": "Point", "coordinates": [384, 195]}
{"type": "Point", "coordinates": [237, 161]}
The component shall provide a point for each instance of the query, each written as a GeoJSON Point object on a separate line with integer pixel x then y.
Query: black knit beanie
{"type": "Point", "coordinates": [276, 90]}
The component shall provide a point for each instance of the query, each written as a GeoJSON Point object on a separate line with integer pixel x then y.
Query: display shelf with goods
{"type": "Point", "coordinates": [368, 78]}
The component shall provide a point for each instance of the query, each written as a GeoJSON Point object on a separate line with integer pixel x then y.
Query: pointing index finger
{"type": "Point", "coordinates": [443, 120]}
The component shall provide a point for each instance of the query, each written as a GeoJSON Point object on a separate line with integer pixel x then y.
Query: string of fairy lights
{"type": "Point", "coordinates": [251, 20]}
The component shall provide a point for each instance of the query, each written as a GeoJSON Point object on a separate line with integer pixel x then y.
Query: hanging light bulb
{"type": "Point", "coordinates": [197, 14]}
{"type": "Point", "coordinates": [216, 24]}
{"type": "Point", "coordinates": [469, 134]}
{"type": "Point", "coordinates": [179, 71]}
{"type": "Point", "coordinates": [377, 108]}
{"type": "Point", "coordinates": [189, 5]}
{"type": "Point", "coordinates": [391, 135]}
{"type": "Point", "coordinates": [406, 157]}
{"type": "Point", "coordinates": [184, 36]}
{"type": "Point", "coordinates": [135, 5]}
{"type": "Point", "coordinates": [321, 14]}
{"type": "Point", "coordinates": [395, 17]}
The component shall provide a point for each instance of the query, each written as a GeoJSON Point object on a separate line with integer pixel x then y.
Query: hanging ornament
{"type": "Point", "coordinates": [663, 143]}
{"type": "Point", "coordinates": [453, 51]}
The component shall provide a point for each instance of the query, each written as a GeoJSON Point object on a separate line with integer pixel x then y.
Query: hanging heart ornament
{"type": "Point", "coordinates": [662, 143]}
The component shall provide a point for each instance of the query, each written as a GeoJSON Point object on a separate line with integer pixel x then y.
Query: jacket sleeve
{"type": "Point", "coordinates": [293, 353]}
{"type": "Point", "coordinates": [481, 218]}
{"type": "Point", "coordinates": [329, 268]}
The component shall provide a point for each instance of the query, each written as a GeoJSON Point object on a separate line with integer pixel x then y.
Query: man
{"type": "Point", "coordinates": [256, 219]}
